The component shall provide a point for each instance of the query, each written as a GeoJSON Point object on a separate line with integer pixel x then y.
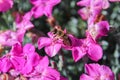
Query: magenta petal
{"type": "Point", "coordinates": [18, 62]}
{"type": "Point", "coordinates": [33, 59]}
{"type": "Point", "coordinates": [95, 52]}
{"type": "Point", "coordinates": [47, 74]}
{"type": "Point", "coordinates": [105, 4]}
{"type": "Point", "coordinates": [84, 3]}
{"type": "Point", "coordinates": [77, 53]}
{"type": "Point", "coordinates": [0, 65]}
{"type": "Point", "coordinates": [84, 13]}
{"type": "Point", "coordinates": [6, 65]}
{"type": "Point", "coordinates": [44, 41]}
{"type": "Point", "coordinates": [104, 70]}
{"type": "Point", "coordinates": [48, 11]}
{"type": "Point", "coordinates": [38, 11]}
{"type": "Point", "coordinates": [26, 69]}
{"type": "Point", "coordinates": [76, 42]}
{"type": "Point", "coordinates": [86, 77]}
{"type": "Point", "coordinates": [99, 72]}
{"type": "Point", "coordinates": [24, 22]}
{"type": "Point", "coordinates": [44, 62]}
{"type": "Point", "coordinates": [51, 74]}
{"type": "Point", "coordinates": [53, 49]}
{"type": "Point", "coordinates": [8, 38]}
{"type": "Point", "coordinates": [5, 5]}
{"type": "Point", "coordinates": [102, 28]}
{"type": "Point", "coordinates": [28, 48]}
{"type": "Point", "coordinates": [28, 15]}
{"type": "Point", "coordinates": [20, 34]}
{"type": "Point", "coordinates": [92, 69]}
{"type": "Point", "coordinates": [16, 49]}
{"type": "Point", "coordinates": [35, 2]}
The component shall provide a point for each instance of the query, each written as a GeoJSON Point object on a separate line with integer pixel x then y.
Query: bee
{"type": "Point", "coordinates": [60, 34]}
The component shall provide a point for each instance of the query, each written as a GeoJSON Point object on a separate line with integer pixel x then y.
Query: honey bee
{"type": "Point", "coordinates": [60, 34]}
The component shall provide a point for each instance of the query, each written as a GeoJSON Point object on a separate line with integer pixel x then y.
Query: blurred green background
{"type": "Point", "coordinates": [66, 15]}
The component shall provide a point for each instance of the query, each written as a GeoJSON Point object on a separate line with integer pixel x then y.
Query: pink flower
{"type": "Point", "coordinates": [32, 58]}
{"type": "Point", "coordinates": [90, 8]}
{"type": "Point", "coordinates": [97, 72]}
{"type": "Point", "coordinates": [5, 5]}
{"type": "Point", "coordinates": [87, 47]}
{"type": "Point", "coordinates": [43, 7]}
{"type": "Point", "coordinates": [51, 45]}
{"type": "Point", "coordinates": [8, 38]}
{"type": "Point", "coordinates": [25, 61]}
{"type": "Point", "coordinates": [13, 59]}
{"type": "Point", "coordinates": [58, 39]}
{"type": "Point", "coordinates": [23, 22]}
{"type": "Point", "coordinates": [98, 29]}
{"type": "Point", "coordinates": [42, 71]}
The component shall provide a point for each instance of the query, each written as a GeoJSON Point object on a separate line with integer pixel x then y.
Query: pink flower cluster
{"type": "Point", "coordinates": [25, 61]}
{"type": "Point", "coordinates": [23, 23]}
{"type": "Point", "coordinates": [97, 27]}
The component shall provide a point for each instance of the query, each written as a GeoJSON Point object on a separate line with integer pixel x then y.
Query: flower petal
{"type": "Point", "coordinates": [84, 3]}
{"type": "Point", "coordinates": [95, 52]}
{"type": "Point", "coordinates": [28, 48]}
{"type": "Point", "coordinates": [92, 69]}
{"type": "Point", "coordinates": [16, 50]}
{"type": "Point", "coordinates": [85, 77]}
{"type": "Point", "coordinates": [44, 62]}
{"type": "Point", "coordinates": [84, 13]}
{"type": "Point", "coordinates": [102, 28]}
{"type": "Point", "coordinates": [38, 11]}
{"type": "Point", "coordinates": [105, 4]}
{"type": "Point", "coordinates": [52, 50]}
{"type": "Point", "coordinates": [48, 11]}
{"type": "Point", "coordinates": [5, 5]}
{"type": "Point", "coordinates": [43, 41]}
{"type": "Point", "coordinates": [106, 72]}
{"type": "Point", "coordinates": [77, 53]}
{"type": "Point", "coordinates": [6, 65]}
{"type": "Point", "coordinates": [51, 74]}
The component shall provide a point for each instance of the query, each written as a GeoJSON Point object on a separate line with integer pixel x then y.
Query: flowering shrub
{"type": "Point", "coordinates": [27, 53]}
